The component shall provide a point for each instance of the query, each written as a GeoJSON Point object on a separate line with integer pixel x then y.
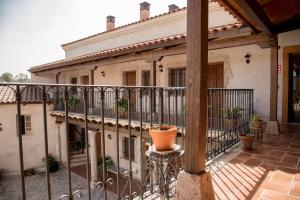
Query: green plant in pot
{"type": "Point", "coordinates": [123, 107]}
{"type": "Point", "coordinates": [256, 122]}
{"type": "Point", "coordinates": [72, 101]}
{"type": "Point", "coordinates": [232, 116]}
{"type": "Point", "coordinates": [108, 161]}
{"type": "Point", "coordinates": [80, 145]}
{"type": "Point", "coordinates": [53, 164]}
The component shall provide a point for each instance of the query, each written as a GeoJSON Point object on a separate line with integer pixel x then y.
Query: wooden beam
{"type": "Point", "coordinates": [273, 83]}
{"type": "Point", "coordinates": [215, 44]}
{"type": "Point", "coordinates": [138, 50]}
{"type": "Point", "coordinates": [251, 9]}
{"type": "Point", "coordinates": [238, 41]}
{"type": "Point", "coordinates": [197, 64]}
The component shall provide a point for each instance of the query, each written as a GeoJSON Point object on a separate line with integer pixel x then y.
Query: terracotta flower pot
{"type": "Point", "coordinates": [163, 137]}
{"type": "Point", "coordinates": [247, 141]}
{"type": "Point", "coordinates": [257, 124]}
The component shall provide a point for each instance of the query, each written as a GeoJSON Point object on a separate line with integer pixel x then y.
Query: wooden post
{"type": "Point", "coordinates": [273, 83]}
{"type": "Point", "coordinates": [272, 124]}
{"type": "Point", "coordinates": [196, 183]}
{"type": "Point", "coordinates": [197, 63]}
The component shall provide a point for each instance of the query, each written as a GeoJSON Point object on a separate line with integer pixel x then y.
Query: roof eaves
{"type": "Point", "coordinates": [123, 26]}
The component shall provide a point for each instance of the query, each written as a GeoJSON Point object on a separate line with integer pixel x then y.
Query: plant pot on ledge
{"type": "Point", "coordinates": [163, 137]}
{"type": "Point", "coordinates": [256, 122]}
{"type": "Point", "coordinates": [247, 141]}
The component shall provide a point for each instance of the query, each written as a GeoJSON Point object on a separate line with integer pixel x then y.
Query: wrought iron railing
{"type": "Point", "coordinates": [135, 108]}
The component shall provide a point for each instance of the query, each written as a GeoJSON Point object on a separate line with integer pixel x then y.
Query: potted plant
{"type": "Point", "coordinates": [232, 116]}
{"type": "Point", "coordinates": [256, 122]}
{"type": "Point", "coordinates": [108, 160]}
{"type": "Point", "coordinates": [123, 107]}
{"type": "Point", "coordinates": [53, 164]}
{"type": "Point", "coordinates": [247, 141]}
{"type": "Point", "coordinates": [80, 145]}
{"type": "Point", "coordinates": [163, 137]}
{"type": "Point", "coordinates": [72, 101]}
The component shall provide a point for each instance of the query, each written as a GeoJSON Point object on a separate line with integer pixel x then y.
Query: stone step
{"type": "Point", "coordinates": [77, 160]}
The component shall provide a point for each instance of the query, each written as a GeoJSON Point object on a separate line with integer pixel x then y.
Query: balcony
{"type": "Point", "coordinates": [129, 111]}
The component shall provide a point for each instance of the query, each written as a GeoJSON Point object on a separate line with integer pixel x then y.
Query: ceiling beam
{"type": "Point", "coordinates": [253, 10]}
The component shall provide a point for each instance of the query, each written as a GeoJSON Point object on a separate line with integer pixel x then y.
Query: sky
{"type": "Point", "coordinates": [32, 31]}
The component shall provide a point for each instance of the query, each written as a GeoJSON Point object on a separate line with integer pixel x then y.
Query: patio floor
{"type": "Point", "coordinates": [271, 171]}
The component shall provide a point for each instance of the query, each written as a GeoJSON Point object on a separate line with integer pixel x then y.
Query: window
{"type": "Point", "coordinates": [177, 77]}
{"type": "Point", "coordinates": [26, 124]}
{"type": "Point", "coordinates": [126, 148]}
{"type": "Point", "coordinates": [74, 89]}
{"type": "Point", "coordinates": [85, 80]}
{"type": "Point", "coordinates": [145, 78]}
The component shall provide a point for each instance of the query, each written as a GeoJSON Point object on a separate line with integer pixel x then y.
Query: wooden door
{"type": "Point", "coordinates": [215, 79]}
{"type": "Point", "coordinates": [215, 75]}
{"type": "Point", "coordinates": [130, 80]}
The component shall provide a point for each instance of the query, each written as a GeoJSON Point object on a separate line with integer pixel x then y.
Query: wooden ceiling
{"type": "Point", "coordinates": [270, 16]}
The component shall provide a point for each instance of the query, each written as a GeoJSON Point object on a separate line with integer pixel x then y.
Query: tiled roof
{"type": "Point", "coordinates": [123, 26]}
{"type": "Point", "coordinates": [93, 56]}
{"type": "Point", "coordinates": [29, 95]}
{"type": "Point", "coordinates": [151, 18]}
{"type": "Point", "coordinates": [123, 123]}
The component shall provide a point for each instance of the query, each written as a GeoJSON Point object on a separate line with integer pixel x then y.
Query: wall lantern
{"type": "Point", "coordinates": [103, 73]}
{"type": "Point", "coordinates": [160, 68]}
{"type": "Point", "coordinates": [109, 136]}
{"type": "Point", "coordinates": [247, 57]}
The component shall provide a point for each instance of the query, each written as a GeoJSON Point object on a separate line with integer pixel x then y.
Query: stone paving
{"type": "Point", "coordinates": [36, 187]}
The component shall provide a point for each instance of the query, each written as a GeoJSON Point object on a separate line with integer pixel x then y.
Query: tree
{"type": "Point", "coordinates": [6, 77]}
{"type": "Point", "coordinates": [23, 78]}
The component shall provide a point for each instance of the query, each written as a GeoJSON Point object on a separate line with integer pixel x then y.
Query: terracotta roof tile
{"type": "Point", "coordinates": [151, 18]}
{"type": "Point", "coordinates": [29, 95]}
{"type": "Point", "coordinates": [70, 61]}
{"type": "Point", "coordinates": [123, 26]}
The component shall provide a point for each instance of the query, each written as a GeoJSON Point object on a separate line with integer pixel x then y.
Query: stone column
{"type": "Point", "coordinates": [93, 157]}
{"type": "Point", "coordinates": [58, 141]}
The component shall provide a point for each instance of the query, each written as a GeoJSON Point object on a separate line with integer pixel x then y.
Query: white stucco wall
{"type": "Point", "coordinates": [171, 24]}
{"type": "Point", "coordinates": [33, 143]}
{"type": "Point", "coordinates": [111, 150]}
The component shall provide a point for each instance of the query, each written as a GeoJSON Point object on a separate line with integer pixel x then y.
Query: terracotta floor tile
{"type": "Point", "coordinates": [236, 160]}
{"type": "Point", "coordinates": [280, 164]}
{"type": "Point", "coordinates": [268, 167]}
{"type": "Point", "coordinates": [267, 157]}
{"type": "Point", "coordinates": [271, 195]}
{"type": "Point", "coordinates": [289, 170]}
{"type": "Point", "coordinates": [277, 153]}
{"type": "Point", "coordinates": [293, 153]}
{"type": "Point", "coordinates": [282, 178]}
{"type": "Point", "coordinates": [243, 156]}
{"type": "Point", "coordinates": [253, 162]}
{"type": "Point", "coordinates": [290, 159]}
{"type": "Point", "coordinates": [275, 187]}
{"type": "Point", "coordinates": [295, 190]}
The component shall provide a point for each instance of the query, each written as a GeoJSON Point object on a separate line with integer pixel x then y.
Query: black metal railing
{"type": "Point", "coordinates": [229, 115]}
{"type": "Point", "coordinates": [136, 109]}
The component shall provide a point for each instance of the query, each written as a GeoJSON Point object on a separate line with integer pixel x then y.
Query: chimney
{"type": "Point", "coordinates": [110, 23]}
{"type": "Point", "coordinates": [173, 7]}
{"type": "Point", "coordinates": [144, 10]}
